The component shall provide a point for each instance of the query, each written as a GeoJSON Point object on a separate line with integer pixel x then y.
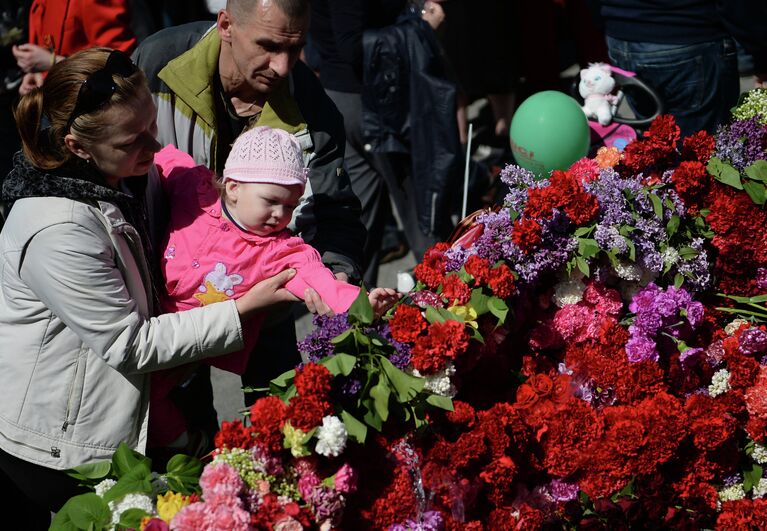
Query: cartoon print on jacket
{"type": "Point", "coordinates": [217, 286]}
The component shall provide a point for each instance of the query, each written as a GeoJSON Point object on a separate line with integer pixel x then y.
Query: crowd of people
{"type": "Point", "coordinates": [177, 191]}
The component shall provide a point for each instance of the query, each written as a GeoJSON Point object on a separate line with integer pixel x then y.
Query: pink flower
{"type": "Point", "coordinates": [346, 479]}
{"type": "Point", "coordinates": [225, 518]}
{"type": "Point", "coordinates": [288, 524]}
{"type": "Point", "coordinates": [156, 524]}
{"type": "Point", "coordinates": [307, 483]}
{"type": "Point", "coordinates": [190, 518]}
{"type": "Point", "coordinates": [220, 479]}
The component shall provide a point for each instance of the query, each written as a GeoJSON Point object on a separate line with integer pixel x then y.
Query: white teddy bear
{"type": "Point", "coordinates": [596, 88]}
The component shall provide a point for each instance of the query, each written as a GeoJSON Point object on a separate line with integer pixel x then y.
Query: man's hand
{"type": "Point", "coordinates": [33, 58]}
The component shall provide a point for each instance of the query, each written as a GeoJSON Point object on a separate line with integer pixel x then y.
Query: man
{"type": "Point", "coordinates": [210, 83]}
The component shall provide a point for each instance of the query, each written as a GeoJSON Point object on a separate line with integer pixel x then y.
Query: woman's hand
{"type": "Point", "coordinates": [381, 299]}
{"type": "Point", "coordinates": [33, 58]}
{"type": "Point", "coordinates": [265, 294]}
{"type": "Point", "coordinates": [30, 82]}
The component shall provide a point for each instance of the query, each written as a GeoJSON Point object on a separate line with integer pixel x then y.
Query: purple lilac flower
{"type": "Point", "coordinates": [497, 231]}
{"type": "Point", "coordinates": [266, 462]}
{"type": "Point", "coordinates": [455, 258]}
{"type": "Point", "coordinates": [327, 504]}
{"type": "Point", "coordinates": [401, 356]}
{"type": "Point", "coordinates": [734, 479]}
{"type": "Point", "coordinates": [761, 278]}
{"type": "Point", "coordinates": [608, 237]}
{"type": "Point", "coordinates": [430, 521]}
{"type": "Point", "coordinates": [691, 356]}
{"type": "Point", "coordinates": [697, 270]}
{"type": "Point", "coordinates": [347, 387]}
{"type": "Point", "coordinates": [753, 341]}
{"type": "Point", "coordinates": [741, 143]}
{"type": "Point", "coordinates": [316, 345]}
{"type": "Point", "coordinates": [518, 180]}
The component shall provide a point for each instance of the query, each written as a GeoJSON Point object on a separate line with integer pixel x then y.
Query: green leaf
{"type": "Point", "coordinates": [405, 385]}
{"type": "Point", "coordinates": [758, 171]}
{"type": "Point", "coordinates": [657, 205]}
{"type": "Point", "coordinates": [678, 280]}
{"type": "Point", "coordinates": [687, 253]}
{"type": "Point", "coordinates": [442, 402]}
{"type": "Point", "coordinates": [91, 471]}
{"type": "Point", "coordinates": [583, 231]}
{"type": "Point", "coordinates": [751, 477]}
{"type": "Point", "coordinates": [361, 310]}
{"type": "Point", "coordinates": [672, 226]}
{"type": "Point", "coordinates": [285, 379]}
{"type": "Point", "coordinates": [340, 338]}
{"type": "Point", "coordinates": [356, 429]}
{"type": "Point", "coordinates": [340, 364]}
{"type": "Point", "coordinates": [371, 416]}
{"type": "Point", "coordinates": [183, 473]}
{"type": "Point", "coordinates": [125, 459]}
{"type": "Point", "coordinates": [440, 315]}
{"type": "Point", "coordinates": [138, 480]}
{"type": "Point", "coordinates": [479, 301]}
{"type": "Point", "coordinates": [583, 265]}
{"type": "Point", "coordinates": [724, 173]}
{"type": "Point", "coordinates": [499, 308]}
{"type": "Point", "coordinates": [380, 393]}
{"type": "Point", "coordinates": [632, 249]}
{"type": "Point", "coordinates": [587, 247]}
{"type": "Point", "coordinates": [755, 191]}
{"type": "Point", "coordinates": [88, 511]}
{"type": "Point", "coordinates": [131, 519]}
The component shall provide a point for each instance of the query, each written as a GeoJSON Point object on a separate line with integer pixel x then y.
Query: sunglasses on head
{"type": "Point", "coordinates": [99, 87]}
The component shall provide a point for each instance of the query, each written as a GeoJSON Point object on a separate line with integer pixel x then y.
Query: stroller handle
{"type": "Point", "coordinates": [624, 80]}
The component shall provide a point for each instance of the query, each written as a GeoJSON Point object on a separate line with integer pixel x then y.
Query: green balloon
{"type": "Point", "coordinates": [549, 132]}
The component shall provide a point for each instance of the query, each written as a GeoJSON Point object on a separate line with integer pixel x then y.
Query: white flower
{"type": "Point", "coordinates": [720, 383]}
{"type": "Point", "coordinates": [439, 383]}
{"type": "Point", "coordinates": [331, 437]}
{"type": "Point", "coordinates": [735, 492]}
{"type": "Point", "coordinates": [760, 489]}
{"type": "Point", "coordinates": [628, 271]}
{"type": "Point", "coordinates": [670, 257]}
{"type": "Point", "coordinates": [734, 325]}
{"type": "Point", "coordinates": [760, 454]}
{"type": "Point", "coordinates": [568, 292]}
{"type": "Point", "coordinates": [104, 486]}
{"type": "Point", "coordinates": [131, 501]}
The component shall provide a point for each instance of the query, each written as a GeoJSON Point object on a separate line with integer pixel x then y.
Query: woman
{"type": "Point", "coordinates": [76, 303]}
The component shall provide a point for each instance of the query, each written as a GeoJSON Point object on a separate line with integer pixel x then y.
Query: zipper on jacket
{"type": "Point", "coordinates": [72, 388]}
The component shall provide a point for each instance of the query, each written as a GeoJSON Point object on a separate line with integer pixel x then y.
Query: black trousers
{"type": "Point", "coordinates": [33, 492]}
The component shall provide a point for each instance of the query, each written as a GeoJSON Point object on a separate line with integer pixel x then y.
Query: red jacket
{"type": "Point", "coordinates": [67, 26]}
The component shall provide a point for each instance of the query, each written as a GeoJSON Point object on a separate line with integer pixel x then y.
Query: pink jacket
{"type": "Point", "coordinates": [207, 259]}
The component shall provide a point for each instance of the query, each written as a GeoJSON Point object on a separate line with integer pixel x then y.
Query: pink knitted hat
{"type": "Point", "coordinates": [266, 155]}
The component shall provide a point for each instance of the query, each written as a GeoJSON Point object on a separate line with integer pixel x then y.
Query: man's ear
{"type": "Point", "coordinates": [76, 146]}
{"type": "Point", "coordinates": [224, 25]}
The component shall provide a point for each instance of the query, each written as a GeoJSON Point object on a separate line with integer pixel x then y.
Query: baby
{"type": "Point", "coordinates": [225, 237]}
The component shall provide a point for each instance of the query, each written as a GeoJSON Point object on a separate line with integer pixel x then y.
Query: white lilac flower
{"type": "Point", "coordinates": [628, 271]}
{"type": "Point", "coordinates": [760, 489]}
{"type": "Point", "coordinates": [759, 454]}
{"type": "Point", "coordinates": [104, 486]}
{"type": "Point", "coordinates": [131, 501]}
{"type": "Point", "coordinates": [720, 383]}
{"type": "Point", "coordinates": [732, 493]}
{"type": "Point", "coordinates": [670, 257]}
{"type": "Point", "coordinates": [439, 383]}
{"type": "Point", "coordinates": [331, 437]}
{"type": "Point", "coordinates": [734, 325]}
{"type": "Point", "coordinates": [568, 292]}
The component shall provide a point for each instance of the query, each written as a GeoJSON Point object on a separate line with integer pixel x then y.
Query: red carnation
{"type": "Point", "coordinates": [267, 415]}
{"type": "Point", "coordinates": [501, 281]}
{"type": "Point", "coordinates": [698, 147]}
{"type": "Point", "coordinates": [442, 344]}
{"type": "Point", "coordinates": [664, 130]}
{"type": "Point", "coordinates": [690, 180]}
{"type": "Point", "coordinates": [743, 515]}
{"type": "Point", "coordinates": [581, 208]}
{"type": "Point", "coordinates": [455, 290]}
{"type": "Point", "coordinates": [430, 276]}
{"type": "Point", "coordinates": [234, 435]}
{"type": "Point", "coordinates": [479, 268]}
{"type": "Point", "coordinates": [407, 324]}
{"type": "Point", "coordinates": [306, 412]}
{"type": "Point", "coordinates": [313, 379]}
{"type": "Point", "coordinates": [462, 414]}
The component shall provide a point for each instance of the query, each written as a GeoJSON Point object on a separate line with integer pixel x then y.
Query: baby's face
{"type": "Point", "coordinates": [263, 208]}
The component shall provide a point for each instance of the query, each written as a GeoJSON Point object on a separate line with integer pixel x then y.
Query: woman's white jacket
{"type": "Point", "coordinates": [77, 341]}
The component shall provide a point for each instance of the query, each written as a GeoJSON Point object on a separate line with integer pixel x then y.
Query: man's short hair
{"type": "Point", "coordinates": [244, 8]}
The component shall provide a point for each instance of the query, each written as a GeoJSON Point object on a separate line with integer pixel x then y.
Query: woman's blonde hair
{"type": "Point", "coordinates": [42, 116]}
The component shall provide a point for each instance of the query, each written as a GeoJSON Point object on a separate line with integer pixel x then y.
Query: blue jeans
{"type": "Point", "coordinates": [698, 83]}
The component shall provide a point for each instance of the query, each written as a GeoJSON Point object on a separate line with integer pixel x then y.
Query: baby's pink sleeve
{"type": "Point", "coordinates": [312, 273]}
{"type": "Point", "coordinates": [172, 165]}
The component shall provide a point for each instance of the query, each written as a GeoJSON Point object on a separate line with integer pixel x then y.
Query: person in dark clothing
{"type": "Point", "coordinates": [686, 51]}
{"type": "Point", "coordinates": [337, 31]}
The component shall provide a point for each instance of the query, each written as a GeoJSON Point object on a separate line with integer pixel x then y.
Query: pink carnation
{"type": "Point", "coordinates": [572, 321]}
{"type": "Point", "coordinates": [226, 518]}
{"type": "Point", "coordinates": [346, 479]}
{"type": "Point", "coordinates": [307, 483]}
{"type": "Point", "coordinates": [607, 300]}
{"type": "Point", "coordinates": [190, 518]}
{"type": "Point", "coordinates": [220, 480]}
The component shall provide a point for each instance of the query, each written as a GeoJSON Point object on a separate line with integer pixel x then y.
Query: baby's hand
{"type": "Point", "coordinates": [381, 299]}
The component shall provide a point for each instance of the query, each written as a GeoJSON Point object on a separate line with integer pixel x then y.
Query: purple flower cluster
{"type": "Point", "coordinates": [430, 521]}
{"type": "Point", "coordinates": [400, 358]}
{"type": "Point", "coordinates": [316, 345]}
{"type": "Point", "coordinates": [753, 341]}
{"type": "Point", "coordinates": [670, 312]}
{"type": "Point", "coordinates": [741, 143]}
